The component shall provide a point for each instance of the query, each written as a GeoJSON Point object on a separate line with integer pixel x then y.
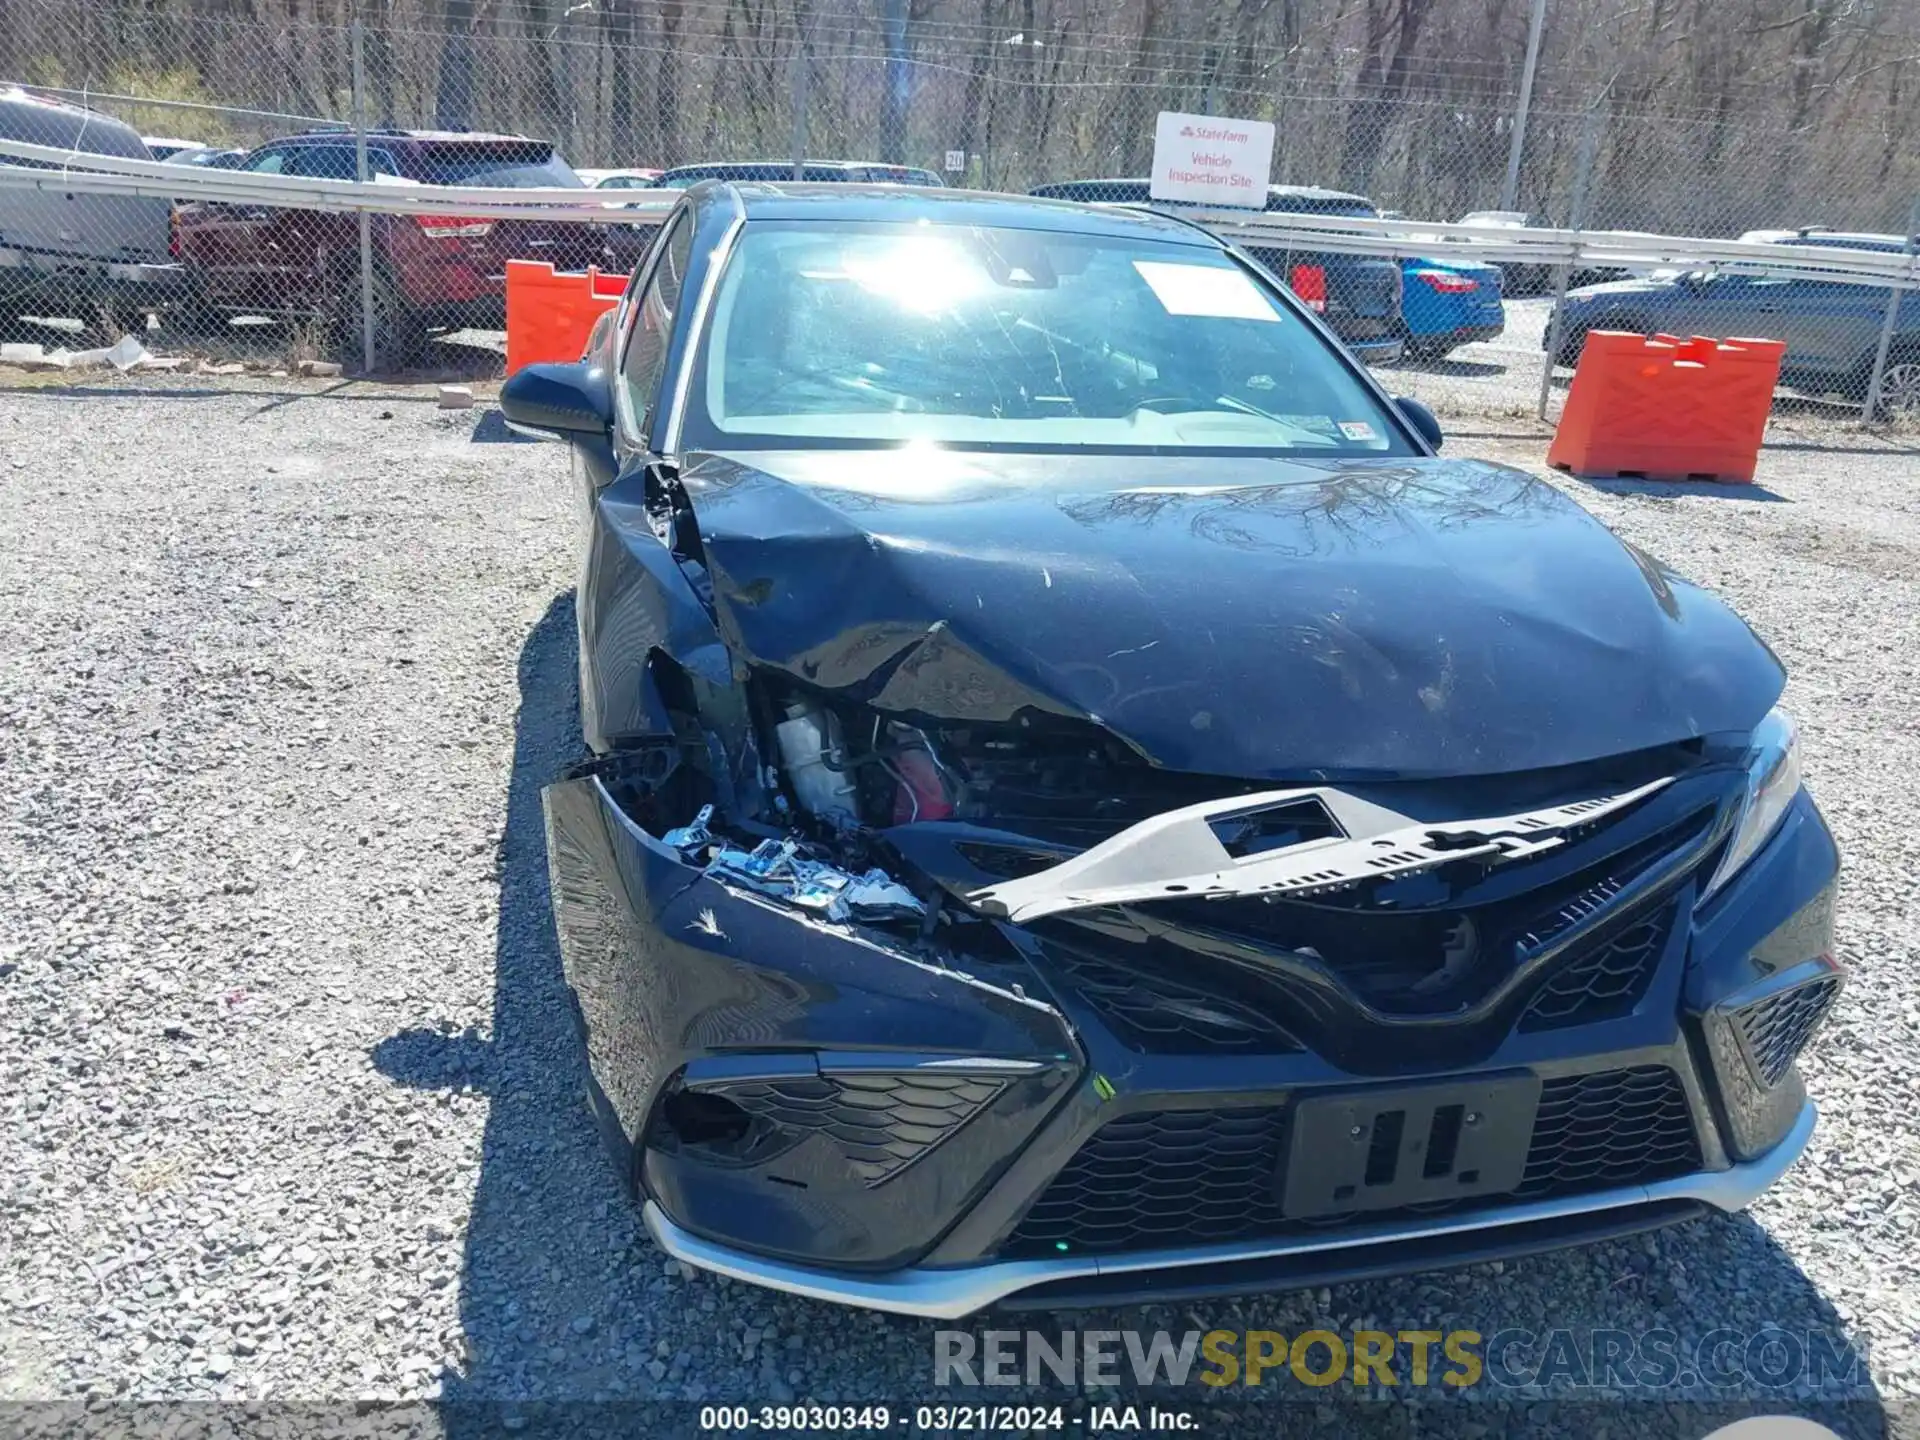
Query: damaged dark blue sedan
{"type": "Point", "coordinates": [1084, 806]}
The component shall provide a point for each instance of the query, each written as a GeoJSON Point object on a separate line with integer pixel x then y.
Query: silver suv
{"type": "Point", "coordinates": [102, 259]}
{"type": "Point", "coordinates": [1832, 330]}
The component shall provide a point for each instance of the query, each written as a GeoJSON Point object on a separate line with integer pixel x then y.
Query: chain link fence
{"type": "Point", "coordinates": [1013, 95]}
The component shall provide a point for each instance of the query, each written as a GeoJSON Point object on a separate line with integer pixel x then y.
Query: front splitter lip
{"type": "Point", "coordinates": [950, 1294]}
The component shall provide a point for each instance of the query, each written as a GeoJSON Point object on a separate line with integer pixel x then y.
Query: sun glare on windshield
{"type": "Point", "coordinates": [926, 273]}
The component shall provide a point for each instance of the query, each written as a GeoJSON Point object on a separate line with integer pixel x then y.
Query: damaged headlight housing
{"type": "Point", "coordinates": [1773, 779]}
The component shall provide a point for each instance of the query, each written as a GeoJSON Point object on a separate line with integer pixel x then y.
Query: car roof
{"type": "Point", "coordinates": [785, 200]}
{"type": "Point", "coordinates": [1848, 240]}
{"type": "Point", "coordinates": [436, 137]}
{"type": "Point", "coordinates": [38, 119]}
{"type": "Point", "coordinates": [787, 164]}
{"type": "Point", "coordinates": [18, 95]}
{"type": "Point", "coordinates": [1280, 199]}
{"type": "Point", "coordinates": [1288, 192]}
{"type": "Point", "coordinates": [716, 167]}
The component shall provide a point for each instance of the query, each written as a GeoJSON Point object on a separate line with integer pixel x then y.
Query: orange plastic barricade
{"type": "Point", "coordinates": [549, 316]}
{"type": "Point", "coordinates": [1663, 408]}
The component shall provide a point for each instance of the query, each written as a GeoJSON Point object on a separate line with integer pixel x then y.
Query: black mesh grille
{"type": "Point", "coordinates": [884, 1122]}
{"type": "Point", "coordinates": [1777, 1028]}
{"type": "Point", "coordinates": [1206, 1177]}
{"type": "Point", "coordinates": [1164, 1177]}
{"type": "Point", "coordinates": [1159, 1016]}
{"type": "Point", "coordinates": [1616, 1127]}
{"type": "Point", "coordinates": [1603, 980]}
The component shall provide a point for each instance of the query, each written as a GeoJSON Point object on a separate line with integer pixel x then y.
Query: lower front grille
{"type": "Point", "coordinates": [1175, 1178]}
{"type": "Point", "coordinates": [1615, 1127]}
{"type": "Point", "coordinates": [1776, 1029]}
{"type": "Point", "coordinates": [883, 1122]}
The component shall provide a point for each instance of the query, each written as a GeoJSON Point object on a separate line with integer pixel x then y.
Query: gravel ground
{"type": "Point", "coordinates": [291, 1102]}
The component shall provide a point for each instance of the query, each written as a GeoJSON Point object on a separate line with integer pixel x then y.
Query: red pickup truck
{"type": "Point", "coordinates": [430, 272]}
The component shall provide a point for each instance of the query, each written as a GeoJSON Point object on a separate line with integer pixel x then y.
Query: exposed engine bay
{"type": "Point", "coordinates": [1416, 898]}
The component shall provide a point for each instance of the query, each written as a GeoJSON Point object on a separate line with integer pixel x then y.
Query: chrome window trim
{"type": "Point", "coordinates": [625, 319]}
{"type": "Point", "coordinates": [683, 380]}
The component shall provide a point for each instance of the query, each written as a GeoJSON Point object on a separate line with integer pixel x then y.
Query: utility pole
{"type": "Point", "coordinates": [893, 112]}
{"type": "Point", "coordinates": [1582, 193]}
{"type": "Point", "coordinates": [802, 78]}
{"type": "Point", "coordinates": [361, 172]}
{"type": "Point", "coordinates": [1510, 191]}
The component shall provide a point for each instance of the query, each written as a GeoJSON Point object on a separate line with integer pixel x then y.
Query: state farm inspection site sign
{"type": "Point", "coordinates": [1205, 160]}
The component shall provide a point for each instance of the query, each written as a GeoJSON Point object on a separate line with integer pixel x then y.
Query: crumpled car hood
{"type": "Point", "coordinates": [1235, 616]}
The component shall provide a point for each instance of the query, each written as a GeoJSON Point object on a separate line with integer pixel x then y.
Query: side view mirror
{"type": "Point", "coordinates": [1423, 420]}
{"type": "Point", "coordinates": [565, 400]}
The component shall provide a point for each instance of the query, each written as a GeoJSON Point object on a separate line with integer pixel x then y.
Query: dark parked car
{"type": "Point", "coordinates": [1358, 295]}
{"type": "Point", "coordinates": [1832, 329]}
{"type": "Point", "coordinates": [818, 172]}
{"type": "Point", "coordinates": [432, 272]}
{"type": "Point", "coordinates": [1083, 805]}
{"type": "Point", "coordinates": [101, 259]}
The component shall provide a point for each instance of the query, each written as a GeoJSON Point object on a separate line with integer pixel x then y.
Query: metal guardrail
{"type": "Point", "coordinates": [80, 173]}
{"type": "Point", "coordinates": [1558, 252]}
{"type": "Point", "coordinates": [1596, 249]}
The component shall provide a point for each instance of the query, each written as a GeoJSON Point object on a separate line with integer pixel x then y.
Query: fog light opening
{"type": "Point", "coordinates": [695, 1118]}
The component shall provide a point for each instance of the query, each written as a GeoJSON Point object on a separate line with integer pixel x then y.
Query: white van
{"type": "Point", "coordinates": [101, 259]}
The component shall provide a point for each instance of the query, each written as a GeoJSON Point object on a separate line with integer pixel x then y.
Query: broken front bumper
{"type": "Point", "coordinates": [843, 1114]}
{"type": "Point", "coordinates": [1351, 1253]}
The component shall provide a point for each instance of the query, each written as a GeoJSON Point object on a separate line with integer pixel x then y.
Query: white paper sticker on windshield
{"type": "Point", "coordinates": [1209, 290]}
{"type": "Point", "coordinates": [1356, 430]}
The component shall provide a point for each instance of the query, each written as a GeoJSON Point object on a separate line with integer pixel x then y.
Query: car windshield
{"type": "Point", "coordinates": [1018, 339]}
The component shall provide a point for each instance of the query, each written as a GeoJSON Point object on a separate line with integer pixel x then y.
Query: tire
{"type": "Point", "coordinates": [108, 317]}
{"type": "Point", "coordinates": [1429, 351]}
{"type": "Point", "coordinates": [1899, 387]}
{"type": "Point", "coordinates": [398, 331]}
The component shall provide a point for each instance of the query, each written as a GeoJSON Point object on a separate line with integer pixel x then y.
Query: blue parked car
{"type": "Point", "coordinates": [1449, 303]}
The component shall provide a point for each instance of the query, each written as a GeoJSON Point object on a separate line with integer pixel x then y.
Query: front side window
{"type": "Point", "coordinates": [326, 162]}
{"type": "Point", "coordinates": [267, 162]}
{"type": "Point", "coordinates": [648, 340]}
{"type": "Point", "coordinates": [851, 334]}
